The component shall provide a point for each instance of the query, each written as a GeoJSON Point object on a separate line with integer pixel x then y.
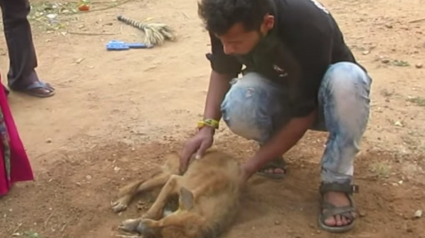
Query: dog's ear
{"type": "Point", "coordinates": [186, 199]}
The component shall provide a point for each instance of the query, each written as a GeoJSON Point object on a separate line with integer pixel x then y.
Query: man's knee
{"type": "Point", "coordinates": [344, 95]}
{"type": "Point", "coordinates": [245, 106]}
{"type": "Point", "coordinates": [346, 79]}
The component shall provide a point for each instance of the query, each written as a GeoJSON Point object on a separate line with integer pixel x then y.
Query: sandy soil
{"type": "Point", "coordinates": [116, 113]}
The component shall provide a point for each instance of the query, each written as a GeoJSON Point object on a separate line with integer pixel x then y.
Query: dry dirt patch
{"type": "Point", "coordinates": [103, 128]}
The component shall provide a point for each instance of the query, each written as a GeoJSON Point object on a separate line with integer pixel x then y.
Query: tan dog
{"type": "Point", "coordinates": [208, 203]}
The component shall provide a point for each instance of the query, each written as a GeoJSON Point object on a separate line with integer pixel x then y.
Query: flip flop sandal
{"type": "Point", "coordinates": [277, 163]}
{"type": "Point", "coordinates": [37, 85]}
{"type": "Point", "coordinates": [332, 210]}
{"type": "Point", "coordinates": [49, 86]}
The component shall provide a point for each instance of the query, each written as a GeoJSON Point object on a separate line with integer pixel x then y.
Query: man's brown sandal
{"type": "Point", "coordinates": [330, 210]}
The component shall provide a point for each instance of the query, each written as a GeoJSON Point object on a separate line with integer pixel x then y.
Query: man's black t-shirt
{"type": "Point", "coordinates": [304, 42]}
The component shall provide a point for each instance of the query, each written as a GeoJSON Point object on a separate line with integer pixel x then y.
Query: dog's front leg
{"type": "Point", "coordinates": [175, 225]}
{"type": "Point", "coordinates": [170, 188]}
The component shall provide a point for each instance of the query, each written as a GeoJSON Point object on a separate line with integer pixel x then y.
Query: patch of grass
{"type": "Point", "coordinates": [50, 15]}
{"type": "Point", "coordinates": [400, 63]}
{"type": "Point", "coordinates": [380, 169]}
{"type": "Point", "coordinates": [32, 234]}
{"type": "Point", "coordinates": [419, 101]}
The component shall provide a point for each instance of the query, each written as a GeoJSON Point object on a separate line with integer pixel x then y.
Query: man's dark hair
{"type": "Point", "coordinates": [220, 15]}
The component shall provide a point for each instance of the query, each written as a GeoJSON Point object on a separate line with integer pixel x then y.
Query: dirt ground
{"type": "Point", "coordinates": [116, 113]}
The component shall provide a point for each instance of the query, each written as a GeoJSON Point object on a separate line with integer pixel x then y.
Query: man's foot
{"type": "Point", "coordinates": [338, 209]}
{"type": "Point", "coordinates": [276, 169]}
{"type": "Point", "coordinates": [38, 89]}
{"type": "Point", "coordinates": [339, 200]}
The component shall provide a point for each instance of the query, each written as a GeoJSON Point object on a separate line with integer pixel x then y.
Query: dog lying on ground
{"type": "Point", "coordinates": [208, 198]}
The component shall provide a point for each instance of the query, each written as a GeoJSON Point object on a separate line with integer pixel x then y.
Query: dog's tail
{"type": "Point", "coordinates": [131, 188]}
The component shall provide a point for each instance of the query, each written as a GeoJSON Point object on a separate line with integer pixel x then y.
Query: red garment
{"type": "Point", "coordinates": [14, 162]}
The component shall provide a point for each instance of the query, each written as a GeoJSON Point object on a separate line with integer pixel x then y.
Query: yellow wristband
{"type": "Point", "coordinates": [208, 122]}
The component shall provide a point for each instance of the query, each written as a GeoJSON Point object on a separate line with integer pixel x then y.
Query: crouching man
{"type": "Point", "coordinates": [299, 74]}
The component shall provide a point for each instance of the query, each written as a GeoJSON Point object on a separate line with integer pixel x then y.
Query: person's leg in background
{"type": "Point", "coordinates": [23, 61]}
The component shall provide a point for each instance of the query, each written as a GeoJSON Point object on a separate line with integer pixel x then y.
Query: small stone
{"type": "Point", "coordinates": [385, 61]}
{"type": "Point", "coordinates": [366, 52]}
{"type": "Point", "coordinates": [362, 213]}
{"type": "Point", "coordinates": [277, 222]}
{"type": "Point", "coordinates": [418, 214]}
{"type": "Point", "coordinates": [318, 232]}
{"type": "Point", "coordinates": [88, 177]}
{"type": "Point", "coordinates": [397, 123]}
{"type": "Point", "coordinates": [389, 26]}
{"type": "Point", "coordinates": [49, 140]}
{"type": "Point", "coordinates": [419, 65]}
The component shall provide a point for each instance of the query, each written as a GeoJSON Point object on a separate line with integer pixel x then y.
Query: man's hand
{"type": "Point", "coordinates": [197, 144]}
{"type": "Point", "coordinates": [247, 170]}
{"type": "Point", "coordinates": [218, 87]}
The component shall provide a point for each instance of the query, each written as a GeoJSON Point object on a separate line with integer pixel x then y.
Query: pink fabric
{"type": "Point", "coordinates": [20, 168]}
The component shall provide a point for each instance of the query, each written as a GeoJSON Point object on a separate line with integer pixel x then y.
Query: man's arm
{"type": "Point", "coordinates": [224, 68]}
{"type": "Point", "coordinates": [218, 87]}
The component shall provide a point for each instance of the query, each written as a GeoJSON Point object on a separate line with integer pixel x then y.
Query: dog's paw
{"type": "Point", "coordinates": [118, 206]}
{"type": "Point", "coordinates": [130, 225]}
{"type": "Point", "coordinates": [142, 227]}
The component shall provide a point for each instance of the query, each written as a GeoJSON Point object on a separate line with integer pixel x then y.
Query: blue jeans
{"type": "Point", "coordinates": [253, 108]}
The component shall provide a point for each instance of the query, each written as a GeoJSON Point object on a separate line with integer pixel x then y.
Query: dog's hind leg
{"type": "Point", "coordinates": [167, 226]}
{"type": "Point", "coordinates": [170, 188]}
{"type": "Point", "coordinates": [128, 192]}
